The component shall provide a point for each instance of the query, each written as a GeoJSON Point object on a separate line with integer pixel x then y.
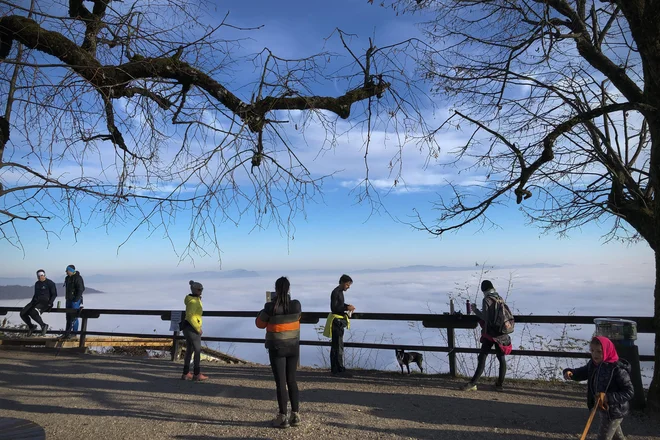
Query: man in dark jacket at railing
{"type": "Point", "coordinates": [337, 322]}
{"type": "Point", "coordinates": [74, 286]}
{"type": "Point", "coordinates": [45, 293]}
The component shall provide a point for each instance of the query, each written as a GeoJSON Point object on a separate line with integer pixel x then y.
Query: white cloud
{"type": "Point", "coordinates": [584, 290]}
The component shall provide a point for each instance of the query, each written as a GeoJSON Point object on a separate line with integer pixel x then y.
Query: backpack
{"type": "Point", "coordinates": [502, 322]}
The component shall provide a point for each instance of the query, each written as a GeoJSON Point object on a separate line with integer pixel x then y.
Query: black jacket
{"type": "Point", "coordinates": [74, 286]}
{"type": "Point", "coordinates": [337, 305]}
{"type": "Point", "coordinates": [610, 378]}
{"type": "Point", "coordinates": [45, 293]}
{"type": "Point", "coordinates": [282, 330]}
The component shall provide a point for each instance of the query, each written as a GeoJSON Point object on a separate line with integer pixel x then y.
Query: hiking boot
{"type": "Point", "coordinates": [499, 387]}
{"type": "Point", "coordinates": [469, 387]}
{"type": "Point", "coordinates": [199, 377]}
{"type": "Point", "coordinates": [44, 329]}
{"type": "Point", "coordinates": [294, 420]}
{"type": "Point", "coordinates": [31, 330]}
{"type": "Point", "coordinates": [187, 376]}
{"type": "Point", "coordinates": [281, 421]}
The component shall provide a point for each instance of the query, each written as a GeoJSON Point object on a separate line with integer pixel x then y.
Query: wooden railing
{"type": "Point", "coordinates": [445, 321]}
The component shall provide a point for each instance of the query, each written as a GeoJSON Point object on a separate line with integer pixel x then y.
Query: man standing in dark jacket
{"type": "Point", "coordinates": [45, 293]}
{"type": "Point", "coordinates": [339, 309]}
{"type": "Point", "coordinates": [74, 286]}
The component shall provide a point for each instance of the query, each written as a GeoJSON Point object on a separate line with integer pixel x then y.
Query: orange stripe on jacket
{"type": "Point", "coordinates": [276, 328]}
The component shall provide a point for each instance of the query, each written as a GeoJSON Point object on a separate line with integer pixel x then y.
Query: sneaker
{"type": "Point", "coordinates": [44, 329]}
{"type": "Point", "coordinates": [469, 387]}
{"type": "Point", "coordinates": [187, 376]}
{"type": "Point", "coordinates": [294, 420]}
{"type": "Point", "coordinates": [31, 330]}
{"type": "Point", "coordinates": [499, 387]}
{"type": "Point", "coordinates": [281, 421]}
{"type": "Point", "coordinates": [199, 377]}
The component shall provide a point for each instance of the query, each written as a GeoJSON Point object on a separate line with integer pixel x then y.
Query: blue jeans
{"type": "Point", "coordinates": [72, 318]}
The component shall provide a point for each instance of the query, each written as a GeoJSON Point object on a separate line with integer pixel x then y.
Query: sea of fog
{"type": "Point", "coordinates": [602, 290]}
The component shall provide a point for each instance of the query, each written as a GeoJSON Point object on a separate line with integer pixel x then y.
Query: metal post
{"type": "Point", "coordinates": [83, 332]}
{"type": "Point", "coordinates": [451, 344]}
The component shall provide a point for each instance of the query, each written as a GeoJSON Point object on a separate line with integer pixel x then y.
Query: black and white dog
{"type": "Point", "coordinates": [406, 358]}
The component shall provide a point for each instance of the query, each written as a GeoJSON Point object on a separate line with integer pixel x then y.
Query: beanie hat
{"type": "Point", "coordinates": [195, 287]}
{"type": "Point", "coordinates": [486, 285]}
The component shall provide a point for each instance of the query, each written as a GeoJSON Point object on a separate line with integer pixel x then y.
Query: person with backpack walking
{"type": "Point", "coordinates": [608, 386]}
{"type": "Point", "coordinates": [496, 323]}
{"type": "Point", "coordinates": [74, 286]}
{"type": "Point", "coordinates": [192, 331]}
{"type": "Point", "coordinates": [281, 319]}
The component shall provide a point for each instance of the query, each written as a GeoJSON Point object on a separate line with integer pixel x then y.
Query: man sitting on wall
{"type": "Point", "coordinates": [45, 293]}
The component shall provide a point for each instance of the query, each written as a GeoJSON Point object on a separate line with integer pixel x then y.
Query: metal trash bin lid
{"type": "Point", "coordinates": [616, 328]}
{"type": "Point", "coordinates": [598, 321]}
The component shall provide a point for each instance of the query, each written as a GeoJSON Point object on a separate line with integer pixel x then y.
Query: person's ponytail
{"type": "Point", "coordinates": [282, 287]}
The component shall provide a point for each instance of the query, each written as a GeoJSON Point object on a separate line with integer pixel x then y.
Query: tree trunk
{"type": "Point", "coordinates": [653, 402]}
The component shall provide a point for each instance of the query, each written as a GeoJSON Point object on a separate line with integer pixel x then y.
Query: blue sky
{"type": "Point", "coordinates": [336, 233]}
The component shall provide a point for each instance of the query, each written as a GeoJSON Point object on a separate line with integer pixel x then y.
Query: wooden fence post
{"type": "Point", "coordinates": [83, 332]}
{"type": "Point", "coordinates": [175, 346]}
{"type": "Point", "coordinates": [451, 343]}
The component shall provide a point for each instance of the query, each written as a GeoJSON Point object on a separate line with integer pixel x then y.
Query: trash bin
{"type": "Point", "coordinates": [623, 333]}
{"type": "Point", "coordinates": [620, 331]}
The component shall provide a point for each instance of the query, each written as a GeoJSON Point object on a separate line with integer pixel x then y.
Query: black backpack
{"type": "Point", "coordinates": [501, 318]}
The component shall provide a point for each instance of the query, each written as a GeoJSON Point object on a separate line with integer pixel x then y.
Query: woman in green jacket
{"type": "Point", "coordinates": [192, 331]}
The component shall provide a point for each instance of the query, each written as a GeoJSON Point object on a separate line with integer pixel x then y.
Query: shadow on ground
{"type": "Point", "coordinates": [423, 407]}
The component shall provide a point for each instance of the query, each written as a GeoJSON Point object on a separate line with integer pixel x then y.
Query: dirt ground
{"type": "Point", "coordinates": [76, 396]}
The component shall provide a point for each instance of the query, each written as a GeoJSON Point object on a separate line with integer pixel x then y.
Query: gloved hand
{"type": "Point", "coordinates": [48, 308]}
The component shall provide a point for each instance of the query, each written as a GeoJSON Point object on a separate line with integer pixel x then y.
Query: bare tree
{"type": "Point", "coordinates": [135, 113]}
{"type": "Point", "coordinates": [561, 98]}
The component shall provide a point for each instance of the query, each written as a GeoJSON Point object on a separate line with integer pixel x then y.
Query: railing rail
{"type": "Point", "coordinates": [446, 321]}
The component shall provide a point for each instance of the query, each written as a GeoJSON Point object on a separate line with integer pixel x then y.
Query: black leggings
{"type": "Point", "coordinates": [284, 370]}
{"type": "Point", "coordinates": [30, 311]}
{"type": "Point", "coordinates": [193, 343]}
{"type": "Point", "coordinates": [483, 355]}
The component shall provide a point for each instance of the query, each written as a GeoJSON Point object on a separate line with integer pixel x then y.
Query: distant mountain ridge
{"type": "Point", "coordinates": [105, 278]}
{"type": "Point", "coordinates": [234, 273]}
{"type": "Point", "coordinates": [20, 292]}
{"type": "Point", "coordinates": [427, 268]}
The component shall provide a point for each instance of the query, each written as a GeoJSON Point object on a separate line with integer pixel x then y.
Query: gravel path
{"type": "Point", "coordinates": [101, 397]}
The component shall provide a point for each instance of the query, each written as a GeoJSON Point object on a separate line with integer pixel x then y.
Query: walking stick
{"type": "Point", "coordinates": [599, 402]}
